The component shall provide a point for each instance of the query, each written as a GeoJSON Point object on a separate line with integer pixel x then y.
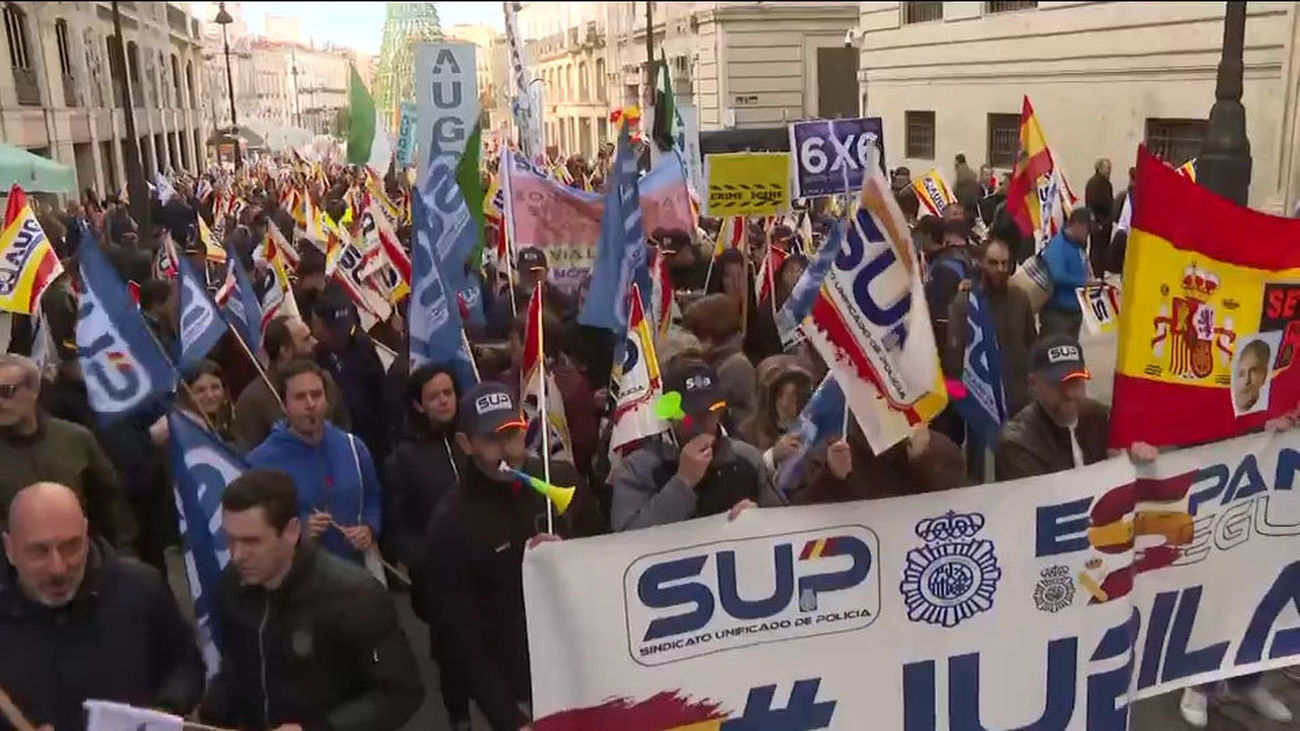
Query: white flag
{"type": "Point", "coordinates": [110, 716]}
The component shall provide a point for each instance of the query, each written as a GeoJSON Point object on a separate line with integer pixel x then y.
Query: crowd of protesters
{"type": "Point", "coordinates": [348, 455]}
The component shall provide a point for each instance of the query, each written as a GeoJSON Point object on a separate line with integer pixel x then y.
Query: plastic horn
{"type": "Point", "coordinates": [560, 496]}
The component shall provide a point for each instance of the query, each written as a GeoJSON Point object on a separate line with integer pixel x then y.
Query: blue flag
{"type": "Point", "coordinates": [201, 325]}
{"type": "Point", "coordinates": [433, 321]}
{"type": "Point", "coordinates": [203, 466]}
{"type": "Point", "coordinates": [985, 406]}
{"type": "Point", "coordinates": [123, 365]}
{"type": "Point", "coordinates": [449, 224]}
{"type": "Point", "coordinates": [821, 417]}
{"type": "Point", "coordinates": [620, 255]}
{"type": "Point", "coordinates": [242, 309]}
{"type": "Point", "coordinates": [803, 296]}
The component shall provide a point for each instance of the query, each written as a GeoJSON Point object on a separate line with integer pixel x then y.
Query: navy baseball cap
{"type": "Point", "coordinates": [489, 409]}
{"type": "Point", "coordinates": [699, 386]}
{"type": "Point", "coordinates": [1058, 358]}
{"type": "Point", "coordinates": [530, 258]}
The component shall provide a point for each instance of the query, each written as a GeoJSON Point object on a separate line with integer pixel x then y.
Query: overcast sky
{"type": "Point", "coordinates": [358, 25]}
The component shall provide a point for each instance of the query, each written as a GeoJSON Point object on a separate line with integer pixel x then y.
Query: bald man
{"type": "Point", "coordinates": [77, 621]}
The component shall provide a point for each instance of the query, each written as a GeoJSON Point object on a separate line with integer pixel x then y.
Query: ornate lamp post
{"type": "Point", "coordinates": [1224, 163]}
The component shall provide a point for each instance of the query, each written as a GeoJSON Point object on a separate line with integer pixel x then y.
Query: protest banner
{"type": "Point", "coordinates": [688, 140]}
{"type": "Point", "coordinates": [747, 183]}
{"type": "Point", "coordinates": [447, 98]}
{"type": "Point", "coordinates": [830, 155]}
{"type": "Point", "coordinates": [1100, 306]}
{"type": "Point", "coordinates": [1207, 343]}
{"type": "Point", "coordinates": [1050, 602]}
{"type": "Point", "coordinates": [406, 134]}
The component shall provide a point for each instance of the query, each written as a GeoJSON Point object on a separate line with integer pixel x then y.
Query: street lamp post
{"type": "Point", "coordinates": [224, 19]}
{"type": "Point", "coordinates": [137, 192]}
{"type": "Point", "coordinates": [1224, 163]}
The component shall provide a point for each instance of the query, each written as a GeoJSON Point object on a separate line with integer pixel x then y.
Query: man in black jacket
{"type": "Point", "coordinates": [349, 357]}
{"type": "Point", "coordinates": [78, 622]}
{"type": "Point", "coordinates": [309, 640]}
{"type": "Point", "coordinates": [476, 548]}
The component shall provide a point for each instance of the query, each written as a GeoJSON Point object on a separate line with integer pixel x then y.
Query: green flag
{"type": "Point", "coordinates": [471, 186]}
{"type": "Point", "coordinates": [368, 142]}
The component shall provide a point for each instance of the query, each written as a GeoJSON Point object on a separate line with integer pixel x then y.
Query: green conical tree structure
{"type": "Point", "coordinates": [405, 24]}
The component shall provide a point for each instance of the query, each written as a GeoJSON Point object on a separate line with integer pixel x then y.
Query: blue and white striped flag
{"type": "Point", "coordinates": [985, 406]}
{"type": "Point", "coordinates": [203, 466]}
{"type": "Point", "coordinates": [123, 365]}
{"type": "Point", "coordinates": [803, 296]}
{"type": "Point", "coordinates": [620, 255]}
{"type": "Point", "coordinates": [201, 325]}
{"type": "Point", "coordinates": [821, 417]}
{"type": "Point", "coordinates": [436, 332]}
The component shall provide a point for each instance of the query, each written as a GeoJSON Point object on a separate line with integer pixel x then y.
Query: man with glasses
{"type": "Point", "coordinates": [35, 448]}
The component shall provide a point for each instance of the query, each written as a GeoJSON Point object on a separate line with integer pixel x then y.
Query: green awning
{"type": "Point", "coordinates": [34, 173]}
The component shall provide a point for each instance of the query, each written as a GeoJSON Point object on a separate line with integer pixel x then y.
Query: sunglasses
{"type": "Point", "coordinates": [9, 390]}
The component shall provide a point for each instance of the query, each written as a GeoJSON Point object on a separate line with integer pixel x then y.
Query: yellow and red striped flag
{"type": "Point", "coordinates": [1037, 183]}
{"type": "Point", "coordinates": [933, 192]}
{"type": "Point", "coordinates": [28, 262]}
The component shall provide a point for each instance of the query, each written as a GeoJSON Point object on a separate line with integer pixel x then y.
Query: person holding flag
{"type": "Point", "coordinates": [1066, 258]}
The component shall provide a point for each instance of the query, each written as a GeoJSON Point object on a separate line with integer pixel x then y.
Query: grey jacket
{"type": "Point", "coordinates": [647, 490]}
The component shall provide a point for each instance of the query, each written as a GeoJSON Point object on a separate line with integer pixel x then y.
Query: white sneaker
{"type": "Point", "coordinates": [1194, 707]}
{"type": "Point", "coordinates": [1266, 704]}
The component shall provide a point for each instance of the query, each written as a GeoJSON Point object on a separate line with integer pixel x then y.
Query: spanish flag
{"type": "Point", "coordinates": [1034, 172]}
{"type": "Point", "coordinates": [1210, 315]}
{"type": "Point", "coordinates": [28, 262]}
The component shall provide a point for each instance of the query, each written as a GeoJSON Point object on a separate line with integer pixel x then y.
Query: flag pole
{"type": "Point", "coordinates": [261, 371]}
{"type": "Point", "coordinates": [12, 714]}
{"type": "Point", "coordinates": [464, 339]}
{"type": "Point", "coordinates": [541, 398]}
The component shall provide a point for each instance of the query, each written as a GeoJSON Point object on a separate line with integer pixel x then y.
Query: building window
{"type": "Point", "coordinates": [921, 12]}
{"type": "Point", "coordinates": [25, 82]}
{"type": "Point", "coordinates": [1004, 140]}
{"type": "Point", "coordinates": [1007, 6]}
{"type": "Point", "coordinates": [600, 79]}
{"type": "Point", "coordinates": [176, 82]}
{"type": "Point", "coordinates": [584, 88]}
{"type": "Point", "coordinates": [920, 135]}
{"type": "Point", "coordinates": [1175, 140]}
{"type": "Point", "coordinates": [189, 84]}
{"type": "Point", "coordinates": [61, 40]}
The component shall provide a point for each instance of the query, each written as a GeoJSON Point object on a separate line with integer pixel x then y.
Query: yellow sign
{"type": "Point", "coordinates": [747, 183]}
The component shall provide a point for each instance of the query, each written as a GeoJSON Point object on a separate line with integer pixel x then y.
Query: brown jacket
{"type": "Point", "coordinates": [1013, 320]}
{"type": "Point", "coordinates": [891, 474]}
{"type": "Point", "coordinates": [1032, 444]}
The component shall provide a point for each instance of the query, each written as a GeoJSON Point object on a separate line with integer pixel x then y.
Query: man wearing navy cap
{"type": "Point", "coordinates": [473, 579]}
{"type": "Point", "coordinates": [1061, 428]}
{"type": "Point", "coordinates": [348, 355]}
{"type": "Point", "coordinates": [702, 472]}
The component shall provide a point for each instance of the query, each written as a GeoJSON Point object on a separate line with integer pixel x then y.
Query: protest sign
{"type": "Point", "coordinates": [1050, 602]}
{"type": "Point", "coordinates": [406, 134]}
{"type": "Point", "coordinates": [830, 155]}
{"type": "Point", "coordinates": [747, 183]}
{"type": "Point", "coordinates": [1100, 306]}
{"type": "Point", "coordinates": [688, 140]}
{"type": "Point", "coordinates": [1207, 341]}
{"type": "Point", "coordinates": [447, 98]}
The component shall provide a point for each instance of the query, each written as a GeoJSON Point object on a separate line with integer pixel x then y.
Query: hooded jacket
{"type": "Point", "coordinates": [762, 429]}
{"type": "Point", "coordinates": [474, 584]}
{"type": "Point", "coordinates": [324, 651]}
{"type": "Point", "coordinates": [121, 638]}
{"type": "Point", "coordinates": [328, 478]}
{"type": "Point", "coordinates": [647, 490]}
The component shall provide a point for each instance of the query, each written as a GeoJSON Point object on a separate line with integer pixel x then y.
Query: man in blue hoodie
{"type": "Point", "coordinates": [339, 499]}
{"type": "Point", "coordinates": [1066, 257]}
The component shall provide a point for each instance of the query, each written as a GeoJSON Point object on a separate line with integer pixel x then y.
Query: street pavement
{"type": "Point", "coordinates": [1154, 714]}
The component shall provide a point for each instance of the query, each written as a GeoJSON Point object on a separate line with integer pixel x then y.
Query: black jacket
{"type": "Point", "coordinates": [474, 583]}
{"type": "Point", "coordinates": [1032, 444]}
{"type": "Point", "coordinates": [121, 638]}
{"type": "Point", "coordinates": [324, 651]}
{"type": "Point", "coordinates": [360, 377]}
{"type": "Point", "coordinates": [423, 467]}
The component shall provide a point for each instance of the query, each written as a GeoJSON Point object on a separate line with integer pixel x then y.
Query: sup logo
{"type": "Point", "coordinates": [720, 596]}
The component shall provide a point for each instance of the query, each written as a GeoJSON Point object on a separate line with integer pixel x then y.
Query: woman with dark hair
{"type": "Point", "coordinates": [424, 466]}
{"type": "Point", "coordinates": [206, 400]}
{"type": "Point", "coordinates": [785, 385]}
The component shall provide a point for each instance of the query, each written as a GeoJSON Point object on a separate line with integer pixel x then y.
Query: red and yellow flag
{"type": "Point", "coordinates": [933, 192]}
{"type": "Point", "coordinates": [1032, 180]}
{"type": "Point", "coordinates": [1210, 315]}
{"type": "Point", "coordinates": [28, 263]}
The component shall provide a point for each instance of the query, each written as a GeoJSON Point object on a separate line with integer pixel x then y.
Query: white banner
{"type": "Point", "coordinates": [1016, 605]}
{"type": "Point", "coordinates": [447, 95]}
{"type": "Point", "coordinates": [110, 716]}
{"type": "Point", "coordinates": [689, 145]}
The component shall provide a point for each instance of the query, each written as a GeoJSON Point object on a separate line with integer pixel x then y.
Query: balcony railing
{"type": "Point", "coordinates": [27, 86]}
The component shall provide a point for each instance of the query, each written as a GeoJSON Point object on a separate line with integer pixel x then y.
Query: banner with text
{"type": "Point", "coordinates": [830, 154]}
{"type": "Point", "coordinates": [447, 98]}
{"type": "Point", "coordinates": [406, 134]}
{"type": "Point", "coordinates": [1052, 602]}
{"type": "Point", "coordinates": [747, 183]}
